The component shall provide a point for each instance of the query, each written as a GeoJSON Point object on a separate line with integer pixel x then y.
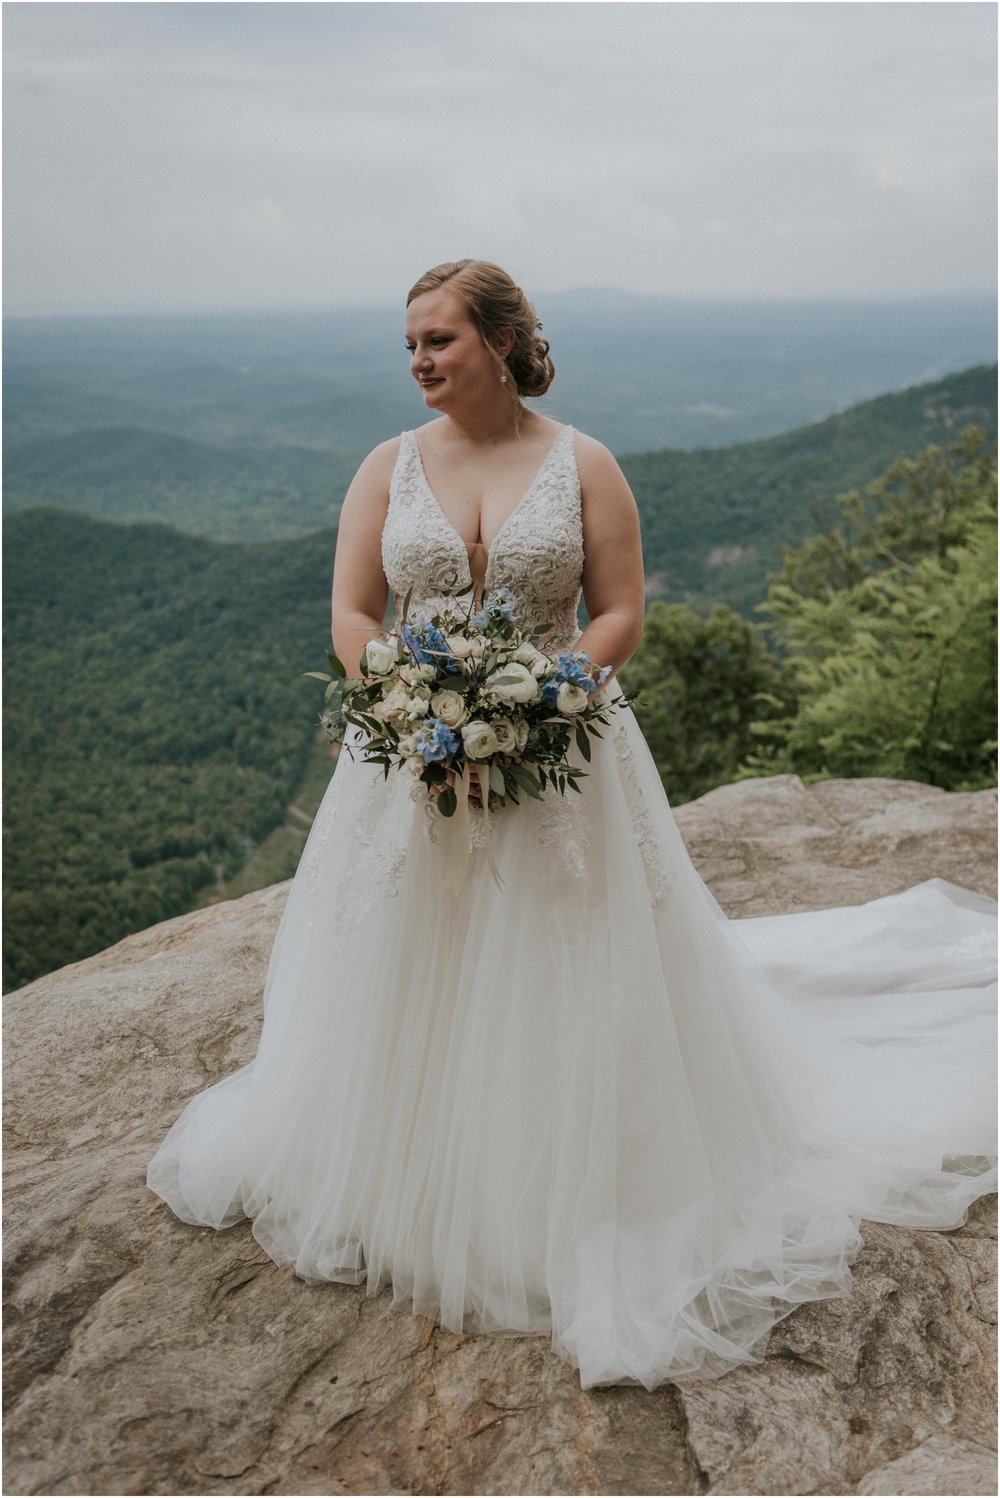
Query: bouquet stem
{"type": "Point", "coordinates": [461, 825]}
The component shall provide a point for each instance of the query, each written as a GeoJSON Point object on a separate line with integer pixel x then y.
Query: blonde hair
{"type": "Point", "coordinates": [497, 305]}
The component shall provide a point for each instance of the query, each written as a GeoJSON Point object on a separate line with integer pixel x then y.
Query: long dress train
{"type": "Point", "coordinates": [586, 1104]}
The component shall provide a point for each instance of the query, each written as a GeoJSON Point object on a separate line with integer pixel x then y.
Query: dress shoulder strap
{"type": "Point", "coordinates": [405, 471]}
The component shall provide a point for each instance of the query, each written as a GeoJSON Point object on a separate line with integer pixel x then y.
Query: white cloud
{"type": "Point", "coordinates": [198, 155]}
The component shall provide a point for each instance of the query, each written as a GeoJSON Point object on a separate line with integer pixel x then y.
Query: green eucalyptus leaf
{"type": "Point", "coordinates": [529, 784]}
{"type": "Point", "coordinates": [447, 802]}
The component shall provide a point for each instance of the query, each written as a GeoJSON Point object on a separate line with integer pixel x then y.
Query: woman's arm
{"type": "Point", "coordinates": [360, 591]}
{"type": "Point", "coordinates": [613, 577]}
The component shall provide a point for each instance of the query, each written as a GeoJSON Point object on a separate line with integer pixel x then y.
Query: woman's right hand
{"type": "Point", "coordinates": [475, 787]}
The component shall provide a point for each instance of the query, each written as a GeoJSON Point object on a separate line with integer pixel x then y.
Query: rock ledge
{"type": "Point", "coordinates": [146, 1356]}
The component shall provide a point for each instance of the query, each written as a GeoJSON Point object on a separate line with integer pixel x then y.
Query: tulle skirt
{"type": "Point", "coordinates": [583, 1103]}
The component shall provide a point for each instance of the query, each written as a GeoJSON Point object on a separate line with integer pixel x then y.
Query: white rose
{"type": "Point", "coordinates": [529, 655]}
{"type": "Point", "coordinates": [459, 646]}
{"type": "Point", "coordinates": [478, 647]}
{"type": "Point", "coordinates": [479, 739]}
{"type": "Point", "coordinates": [506, 736]}
{"type": "Point", "coordinates": [542, 667]}
{"type": "Point", "coordinates": [418, 710]}
{"type": "Point", "coordinates": [408, 746]}
{"type": "Point", "coordinates": [513, 683]}
{"type": "Point", "coordinates": [416, 674]}
{"type": "Point", "coordinates": [394, 704]}
{"type": "Point", "coordinates": [571, 698]}
{"type": "Point", "coordinates": [381, 657]}
{"type": "Point", "coordinates": [520, 733]}
{"type": "Point", "coordinates": [449, 707]}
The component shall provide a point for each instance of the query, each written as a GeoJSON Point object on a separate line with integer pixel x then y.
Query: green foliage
{"type": "Point", "coordinates": [886, 627]}
{"type": "Point", "coordinates": [713, 521]}
{"type": "Point", "coordinates": [702, 682]}
{"type": "Point", "coordinates": [157, 722]}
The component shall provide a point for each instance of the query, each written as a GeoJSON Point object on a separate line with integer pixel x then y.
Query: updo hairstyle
{"type": "Point", "coordinates": [496, 305]}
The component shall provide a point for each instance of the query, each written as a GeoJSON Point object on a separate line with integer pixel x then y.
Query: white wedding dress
{"type": "Point", "coordinates": [586, 1104]}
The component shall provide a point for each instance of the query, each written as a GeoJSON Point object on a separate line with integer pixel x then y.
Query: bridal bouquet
{"type": "Point", "coordinates": [468, 687]}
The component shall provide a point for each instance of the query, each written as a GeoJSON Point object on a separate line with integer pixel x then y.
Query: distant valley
{"type": "Point", "coordinates": [639, 373]}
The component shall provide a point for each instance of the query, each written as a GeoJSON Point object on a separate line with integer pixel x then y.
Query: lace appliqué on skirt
{"type": "Point", "coordinates": [380, 841]}
{"type": "Point", "coordinates": [562, 827]}
{"type": "Point", "coordinates": [657, 876]}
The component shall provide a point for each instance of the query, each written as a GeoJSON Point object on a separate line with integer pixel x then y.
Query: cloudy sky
{"type": "Point", "coordinates": [196, 156]}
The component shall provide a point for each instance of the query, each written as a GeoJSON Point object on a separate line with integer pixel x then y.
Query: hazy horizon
{"type": "Point", "coordinates": [606, 294]}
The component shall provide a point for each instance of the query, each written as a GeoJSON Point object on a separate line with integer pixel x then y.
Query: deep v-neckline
{"type": "Point", "coordinates": [516, 510]}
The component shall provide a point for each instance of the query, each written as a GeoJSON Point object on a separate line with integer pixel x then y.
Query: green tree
{"type": "Point", "coordinates": [701, 680]}
{"type": "Point", "coordinates": [885, 625]}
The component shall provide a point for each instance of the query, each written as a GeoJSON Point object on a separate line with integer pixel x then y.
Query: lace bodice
{"type": "Point", "coordinates": [537, 553]}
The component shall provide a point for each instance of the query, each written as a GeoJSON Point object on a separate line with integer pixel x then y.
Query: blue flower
{"type": "Point", "coordinates": [501, 603]}
{"type": "Point", "coordinates": [496, 605]}
{"type": "Point", "coordinates": [428, 646]}
{"type": "Point", "coordinates": [577, 668]}
{"type": "Point", "coordinates": [438, 742]}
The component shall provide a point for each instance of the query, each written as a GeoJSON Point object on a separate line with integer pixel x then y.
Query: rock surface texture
{"type": "Point", "coordinates": [147, 1356]}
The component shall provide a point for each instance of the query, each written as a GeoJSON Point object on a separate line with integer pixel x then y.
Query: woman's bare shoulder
{"type": "Point", "coordinates": [367, 496]}
{"type": "Point", "coordinates": [375, 473]}
{"type": "Point", "coordinates": [382, 459]}
{"type": "Point", "coordinates": [595, 463]}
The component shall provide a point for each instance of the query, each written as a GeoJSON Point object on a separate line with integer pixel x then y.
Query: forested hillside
{"type": "Point", "coordinates": [713, 519]}
{"type": "Point", "coordinates": [157, 720]}
{"type": "Point", "coordinates": [158, 723]}
{"type": "Point", "coordinates": [132, 474]}
{"type": "Point", "coordinates": [713, 522]}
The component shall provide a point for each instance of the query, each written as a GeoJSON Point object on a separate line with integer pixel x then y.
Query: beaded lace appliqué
{"type": "Point", "coordinates": [538, 552]}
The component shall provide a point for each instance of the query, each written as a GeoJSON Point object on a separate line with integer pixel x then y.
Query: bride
{"type": "Point", "coordinates": [582, 1104]}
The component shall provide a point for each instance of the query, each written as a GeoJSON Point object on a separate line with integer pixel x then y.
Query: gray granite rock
{"type": "Point", "coordinates": [147, 1356]}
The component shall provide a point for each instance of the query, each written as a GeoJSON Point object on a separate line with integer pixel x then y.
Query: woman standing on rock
{"type": "Point", "coordinates": [571, 1101]}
